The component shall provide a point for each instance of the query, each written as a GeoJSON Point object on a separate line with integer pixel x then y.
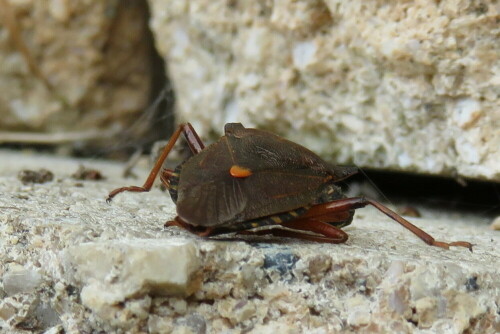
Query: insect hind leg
{"type": "Point", "coordinates": [352, 203]}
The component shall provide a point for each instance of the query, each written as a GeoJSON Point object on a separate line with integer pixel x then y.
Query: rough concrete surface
{"type": "Point", "coordinates": [407, 85]}
{"type": "Point", "coordinates": [71, 263]}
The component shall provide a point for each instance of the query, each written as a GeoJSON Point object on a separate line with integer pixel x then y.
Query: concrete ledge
{"type": "Point", "coordinates": [71, 262]}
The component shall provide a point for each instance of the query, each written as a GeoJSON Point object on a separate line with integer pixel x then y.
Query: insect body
{"type": "Point", "coordinates": [252, 178]}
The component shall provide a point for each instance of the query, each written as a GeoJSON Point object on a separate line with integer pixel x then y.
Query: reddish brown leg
{"type": "Point", "coordinates": [192, 138]}
{"type": "Point", "coordinates": [201, 231]}
{"type": "Point", "coordinates": [346, 204]}
{"type": "Point", "coordinates": [165, 177]}
{"type": "Point", "coordinates": [330, 233]}
{"type": "Point", "coordinates": [317, 225]}
{"type": "Point", "coordinates": [195, 144]}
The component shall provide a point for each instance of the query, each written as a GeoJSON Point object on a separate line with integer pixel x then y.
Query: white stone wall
{"type": "Point", "coordinates": [412, 86]}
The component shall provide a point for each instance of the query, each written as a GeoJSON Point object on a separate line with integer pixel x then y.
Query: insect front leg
{"type": "Point", "coordinates": [165, 177]}
{"type": "Point", "coordinates": [195, 144]}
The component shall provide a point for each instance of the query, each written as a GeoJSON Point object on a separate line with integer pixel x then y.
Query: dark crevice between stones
{"type": "Point", "coordinates": [472, 196]}
{"type": "Point", "coordinates": [156, 121]}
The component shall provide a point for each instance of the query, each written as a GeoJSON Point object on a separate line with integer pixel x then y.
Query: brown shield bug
{"type": "Point", "coordinates": [252, 178]}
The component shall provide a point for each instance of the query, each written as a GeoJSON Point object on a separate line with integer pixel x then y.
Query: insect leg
{"type": "Point", "coordinates": [330, 234]}
{"type": "Point", "coordinates": [277, 232]}
{"type": "Point", "coordinates": [194, 143]}
{"type": "Point", "coordinates": [165, 176]}
{"type": "Point", "coordinates": [346, 204]}
{"type": "Point", "coordinates": [192, 138]}
{"type": "Point", "coordinates": [200, 231]}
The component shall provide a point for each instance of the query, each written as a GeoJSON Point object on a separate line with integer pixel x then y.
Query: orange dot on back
{"type": "Point", "coordinates": [238, 171]}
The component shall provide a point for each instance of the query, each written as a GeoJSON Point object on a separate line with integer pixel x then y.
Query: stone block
{"type": "Point", "coordinates": [395, 85]}
{"type": "Point", "coordinates": [70, 262]}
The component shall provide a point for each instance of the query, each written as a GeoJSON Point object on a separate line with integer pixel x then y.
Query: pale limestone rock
{"type": "Point", "coordinates": [399, 85]}
{"type": "Point", "coordinates": [73, 66]}
{"type": "Point", "coordinates": [495, 225]}
{"type": "Point", "coordinates": [111, 272]}
{"type": "Point", "coordinates": [94, 267]}
{"type": "Point", "coordinates": [360, 313]}
{"type": "Point", "coordinates": [427, 310]}
{"type": "Point", "coordinates": [20, 280]}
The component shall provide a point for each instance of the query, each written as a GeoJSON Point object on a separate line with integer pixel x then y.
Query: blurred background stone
{"type": "Point", "coordinates": [76, 71]}
{"type": "Point", "coordinates": [402, 86]}
{"type": "Point", "coordinates": [394, 85]}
